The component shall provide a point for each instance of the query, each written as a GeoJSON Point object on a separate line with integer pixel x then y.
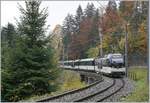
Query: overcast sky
{"type": "Point", "coordinates": [57, 10]}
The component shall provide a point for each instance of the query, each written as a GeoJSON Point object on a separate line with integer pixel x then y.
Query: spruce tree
{"type": "Point", "coordinates": [94, 30]}
{"type": "Point", "coordinates": [32, 71]}
{"type": "Point", "coordinates": [8, 40]}
{"type": "Point", "coordinates": [78, 18]}
{"type": "Point", "coordinates": [90, 10]}
{"type": "Point", "coordinates": [8, 35]}
{"type": "Point", "coordinates": [68, 29]}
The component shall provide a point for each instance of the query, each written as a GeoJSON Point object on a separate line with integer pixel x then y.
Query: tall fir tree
{"type": "Point", "coordinates": [8, 39]}
{"type": "Point", "coordinates": [8, 34]}
{"type": "Point", "coordinates": [94, 30]}
{"type": "Point", "coordinates": [90, 10]}
{"type": "Point", "coordinates": [69, 28]}
{"type": "Point", "coordinates": [32, 71]}
{"type": "Point", "coordinates": [78, 18]}
{"type": "Point", "coordinates": [112, 6]}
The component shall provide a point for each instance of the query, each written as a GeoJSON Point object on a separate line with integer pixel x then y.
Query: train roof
{"type": "Point", "coordinates": [88, 59]}
{"type": "Point", "coordinates": [114, 54]}
{"type": "Point", "coordinates": [67, 61]}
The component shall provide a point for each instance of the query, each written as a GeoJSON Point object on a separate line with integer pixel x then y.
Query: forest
{"type": "Point", "coordinates": [29, 61]}
{"type": "Point", "coordinates": [81, 31]}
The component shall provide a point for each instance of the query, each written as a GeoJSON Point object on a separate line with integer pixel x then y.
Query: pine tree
{"type": "Point", "coordinates": [8, 42]}
{"type": "Point", "coordinates": [69, 27]}
{"type": "Point", "coordinates": [90, 10]}
{"type": "Point", "coordinates": [8, 35]}
{"type": "Point", "coordinates": [78, 18]}
{"type": "Point", "coordinates": [112, 6]}
{"type": "Point", "coordinates": [32, 71]}
{"type": "Point", "coordinates": [136, 18]}
{"type": "Point", "coordinates": [94, 34]}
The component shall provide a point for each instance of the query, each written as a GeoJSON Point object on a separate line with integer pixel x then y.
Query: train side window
{"type": "Point", "coordinates": [78, 63]}
{"type": "Point", "coordinates": [93, 62]}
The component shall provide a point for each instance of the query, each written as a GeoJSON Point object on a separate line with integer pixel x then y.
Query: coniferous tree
{"type": "Point", "coordinates": [136, 17]}
{"type": "Point", "coordinates": [112, 6]}
{"type": "Point", "coordinates": [94, 31]}
{"type": "Point", "coordinates": [32, 71]}
{"type": "Point", "coordinates": [8, 35]}
{"type": "Point", "coordinates": [90, 10]}
{"type": "Point", "coordinates": [69, 27]}
{"type": "Point", "coordinates": [78, 18]}
{"type": "Point", "coordinates": [8, 43]}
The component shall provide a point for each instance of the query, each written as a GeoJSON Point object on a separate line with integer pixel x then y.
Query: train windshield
{"type": "Point", "coordinates": [116, 56]}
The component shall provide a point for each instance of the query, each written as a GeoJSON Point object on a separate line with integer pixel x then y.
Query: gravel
{"type": "Point", "coordinates": [72, 97]}
{"type": "Point", "coordinates": [100, 96]}
{"type": "Point", "coordinates": [128, 88]}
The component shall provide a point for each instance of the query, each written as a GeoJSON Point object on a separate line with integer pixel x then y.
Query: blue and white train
{"type": "Point", "coordinates": [111, 64]}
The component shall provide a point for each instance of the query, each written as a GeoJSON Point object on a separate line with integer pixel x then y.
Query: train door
{"type": "Point", "coordinates": [100, 64]}
{"type": "Point", "coordinates": [93, 64]}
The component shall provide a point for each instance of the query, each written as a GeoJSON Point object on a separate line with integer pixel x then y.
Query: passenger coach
{"type": "Point", "coordinates": [111, 64]}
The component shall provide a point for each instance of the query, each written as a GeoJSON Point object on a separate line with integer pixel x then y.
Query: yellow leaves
{"type": "Point", "coordinates": [71, 80]}
{"type": "Point", "coordinates": [142, 28]}
{"type": "Point", "coordinates": [106, 41]}
{"type": "Point", "coordinates": [122, 44]}
{"type": "Point", "coordinates": [138, 43]}
{"type": "Point", "coordinates": [143, 37]}
{"type": "Point", "coordinates": [93, 52]}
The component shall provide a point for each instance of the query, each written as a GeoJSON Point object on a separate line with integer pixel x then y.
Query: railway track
{"type": "Point", "coordinates": [100, 91]}
{"type": "Point", "coordinates": [111, 94]}
{"type": "Point", "coordinates": [70, 92]}
{"type": "Point", "coordinates": [104, 94]}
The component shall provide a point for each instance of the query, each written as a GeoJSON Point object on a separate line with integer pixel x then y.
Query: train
{"type": "Point", "coordinates": [111, 64]}
{"type": "Point", "coordinates": [114, 60]}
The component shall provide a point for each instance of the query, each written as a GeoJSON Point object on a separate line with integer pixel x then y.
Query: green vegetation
{"type": "Point", "coordinates": [28, 66]}
{"type": "Point", "coordinates": [29, 58]}
{"type": "Point", "coordinates": [93, 52]}
{"type": "Point", "coordinates": [68, 80]}
{"type": "Point", "coordinates": [81, 31]}
{"type": "Point", "coordinates": [141, 92]}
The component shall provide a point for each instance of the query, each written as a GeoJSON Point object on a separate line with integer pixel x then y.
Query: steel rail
{"type": "Point", "coordinates": [70, 92]}
{"type": "Point", "coordinates": [103, 91]}
{"type": "Point", "coordinates": [111, 94]}
{"type": "Point", "coordinates": [94, 94]}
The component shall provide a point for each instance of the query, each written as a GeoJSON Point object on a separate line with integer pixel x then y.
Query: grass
{"type": "Point", "coordinates": [68, 80]}
{"type": "Point", "coordinates": [71, 80]}
{"type": "Point", "coordinates": [141, 92]}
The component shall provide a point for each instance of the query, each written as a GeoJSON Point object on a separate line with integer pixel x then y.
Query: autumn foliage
{"type": "Point", "coordinates": [112, 26]}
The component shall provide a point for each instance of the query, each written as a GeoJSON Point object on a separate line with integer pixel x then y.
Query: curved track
{"type": "Point", "coordinates": [114, 92]}
{"type": "Point", "coordinates": [70, 92]}
{"type": "Point", "coordinates": [104, 94]}
{"type": "Point", "coordinates": [99, 94]}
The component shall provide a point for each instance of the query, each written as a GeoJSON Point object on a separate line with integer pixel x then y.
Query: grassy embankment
{"type": "Point", "coordinates": [141, 92]}
{"type": "Point", "coordinates": [68, 80]}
